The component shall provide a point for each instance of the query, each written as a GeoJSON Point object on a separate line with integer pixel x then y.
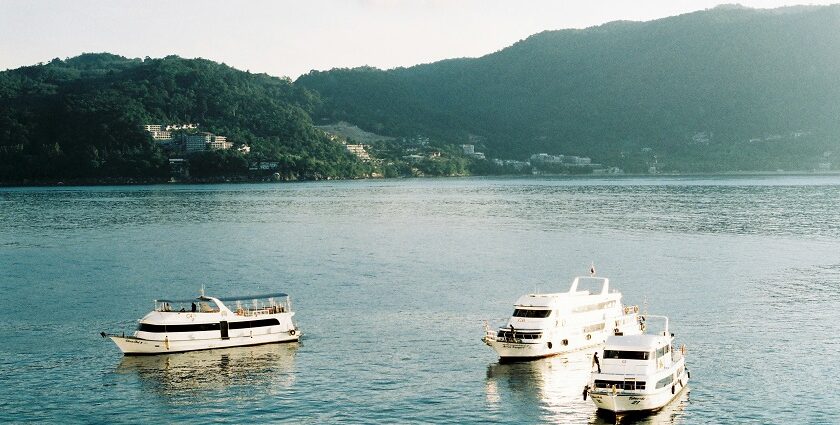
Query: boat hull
{"type": "Point", "coordinates": [511, 351]}
{"type": "Point", "coordinates": [626, 403]}
{"type": "Point", "coordinates": [523, 351]}
{"type": "Point", "coordinates": [132, 346]}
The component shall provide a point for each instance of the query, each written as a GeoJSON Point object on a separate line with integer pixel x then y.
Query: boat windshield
{"type": "Point", "coordinates": [627, 355]}
{"type": "Point", "coordinates": [540, 314]}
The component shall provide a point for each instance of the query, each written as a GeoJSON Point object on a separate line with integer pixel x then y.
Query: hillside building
{"type": "Point", "coordinates": [218, 143]}
{"type": "Point", "coordinates": [203, 141]}
{"type": "Point", "coordinates": [157, 133]}
{"type": "Point", "coordinates": [359, 150]}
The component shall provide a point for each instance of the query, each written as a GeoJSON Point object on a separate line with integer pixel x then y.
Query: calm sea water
{"type": "Point", "coordinates": [391, 281]}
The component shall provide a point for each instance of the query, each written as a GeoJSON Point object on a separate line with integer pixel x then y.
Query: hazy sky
{"type": "Point", "coordinates": [289, 38]}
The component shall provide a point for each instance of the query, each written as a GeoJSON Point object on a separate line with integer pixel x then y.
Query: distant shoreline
{"type": "Point", "coordinates": [223, 180]}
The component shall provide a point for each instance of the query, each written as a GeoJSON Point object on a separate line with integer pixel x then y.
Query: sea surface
{"type": "Point", "coordinates": [392, 280]}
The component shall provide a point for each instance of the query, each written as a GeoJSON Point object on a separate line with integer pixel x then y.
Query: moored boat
{"type": "Point", "coordinates": [638, 373]}
{"type": "Point", "coordinates": [207, 322]}
{"type": "Point", "coordinates": [553, 323]}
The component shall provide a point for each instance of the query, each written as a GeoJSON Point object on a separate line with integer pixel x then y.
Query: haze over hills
{"type": "Point", "coordinates": [719, 90]}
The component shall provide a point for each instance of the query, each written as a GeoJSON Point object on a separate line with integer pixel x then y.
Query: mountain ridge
{"type": "Point", "coordinates": [738, 74]}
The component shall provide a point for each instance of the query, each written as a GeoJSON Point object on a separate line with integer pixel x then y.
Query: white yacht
{"type": "Point", "coordinates": [638, 373]}
{"type": "Point", "coordinates": [547, 324]}
{"type": "Point", "coordinates": [207, 322]}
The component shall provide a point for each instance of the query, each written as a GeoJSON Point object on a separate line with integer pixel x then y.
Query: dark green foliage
{"type": "Point", "coordinates": [82, 119]}
{"type": "Point", "coordinates": [218, 163]}
{"type": "Point", "coordinates": [610, 91]}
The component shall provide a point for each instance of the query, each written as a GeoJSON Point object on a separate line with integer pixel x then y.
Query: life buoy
{"type": "Point", "coordinates": [292, 332]}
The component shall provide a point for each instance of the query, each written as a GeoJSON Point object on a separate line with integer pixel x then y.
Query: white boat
{"type": "Point", "coordinates": [638, 373]}
{"type": "Point", "coordinates": [205, 323]}
{"type": "Point", "coordinates": [547, 324]}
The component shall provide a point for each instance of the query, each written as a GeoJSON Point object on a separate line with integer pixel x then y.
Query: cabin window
{"type": "Point", "coordinates": [539, 314]}
{"type": "Point", "coordinates": [664, 382]}
{"type": "Point", "coordinates": [591, 307]}
{"type": "Point", "coordinates": [594, 328]}
{"type": "Point", "coordinates": [506, 334]}
{"type": "Point", "coordinates": [202, 327]}
{"type": "Point", "coordinates": [627, 355]}
{"type": "Point", "coordinates": [622, 385]}
{"type": "Point", "coordinates": [254, 324]}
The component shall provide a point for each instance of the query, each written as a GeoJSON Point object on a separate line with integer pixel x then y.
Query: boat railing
{"type": "Point", "coordinates": [259, 308]}
{"type": "Point", "coordinates": [517, 336]}
{"type": "Point", "coordinates": [602, 281]}
{"type": "Point", "coordinates": [274, 309]}
{"type": "Point", "coordinates": [631, 309]}
{"type": "Point", "coordinates": [184, 307]}
{"type": "Point", "coordinates": [678, 354]}
{"type": "Point", "coordinates": [489, 333]}
{"type": "Point", "coordinates": [663, 330]}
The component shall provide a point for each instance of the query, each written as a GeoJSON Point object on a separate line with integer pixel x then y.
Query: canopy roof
{"type": "Point", "coordinates": [226, 299]}
{"type": "Point", "coordinates": [635, 342]}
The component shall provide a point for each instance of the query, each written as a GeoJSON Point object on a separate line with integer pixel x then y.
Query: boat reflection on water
{"type": "Point", "coordinates": [671, 414]}
{"type": "Point", "coordinates": [554, 385]}
{"type": "Point", "coordinates": [271, 367]}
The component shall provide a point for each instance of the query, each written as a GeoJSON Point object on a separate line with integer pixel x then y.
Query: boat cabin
{"type": "Point", "coordinates": [628, 359]}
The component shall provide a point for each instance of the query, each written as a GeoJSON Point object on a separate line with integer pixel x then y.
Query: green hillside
{"type": "Point", "coordinates": [719, 90]}
{"type": "Point", "coordinates": [82, 118]}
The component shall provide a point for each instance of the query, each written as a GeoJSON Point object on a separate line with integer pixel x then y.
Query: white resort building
{"type": "Point", "coordinates": [189, 140]}
{"type": "Point", "coordinates": [204, 141]}
{"type": "Point", "coordinates": [359, 150]}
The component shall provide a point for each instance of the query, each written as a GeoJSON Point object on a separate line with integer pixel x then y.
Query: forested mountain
{"type": "Point", "coordinates": [719, 90]}
{"type": "Point", "coordinates": [724, 89]}
{"type": "Point", "coordinates": [82, 118]}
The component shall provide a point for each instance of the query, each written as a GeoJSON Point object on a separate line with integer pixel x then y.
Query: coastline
{"type": "Point", "coordinates": [244, 180]}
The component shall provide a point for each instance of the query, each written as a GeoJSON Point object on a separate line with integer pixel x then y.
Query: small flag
{"type": "Point", "coordinates": [592, 270]}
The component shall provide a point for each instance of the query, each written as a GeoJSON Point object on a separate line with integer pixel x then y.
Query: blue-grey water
{"type": "Point", "coordinates": [391, 281]}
